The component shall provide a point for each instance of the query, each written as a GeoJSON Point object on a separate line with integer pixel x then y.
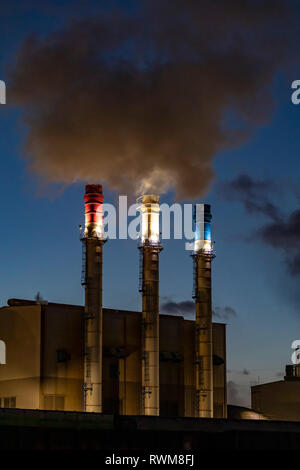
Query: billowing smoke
{"type": "Point", "coordinates": [285, 235]}
{"type": "Point", "coordinates": [144, 102]}
{"type": "Point", "coordinates": [185, 307]}
{"type": "Point", "coordinates": [234, 394]}
{"type": "Point", "coordinates": [281, 231]}
{"type": "Point", "coordinates": [224, 313]}
{"type": "Point", "coordinates": [254, 194]}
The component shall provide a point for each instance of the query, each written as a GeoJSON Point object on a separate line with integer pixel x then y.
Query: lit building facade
{"type": "Point", "coordinates": [279, 400]}
{"type": "Point", "coordinates": [45, 360]}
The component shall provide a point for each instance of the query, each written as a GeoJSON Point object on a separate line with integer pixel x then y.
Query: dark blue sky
{"type": "Point", "coordinates": [40, 243]}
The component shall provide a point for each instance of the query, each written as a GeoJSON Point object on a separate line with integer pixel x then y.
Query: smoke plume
{"type": "Point", "coordinates": [234, 394]}
{"type": "Point", "coordinates": [281, 231]}
{"type": "Point", "coordinates": [224, 313]}
{"type": "Point", "coordinates": [185, 307]}
{"type": "Point", "coordinates": [146, 101]}
{"type": "Point", "coordinates": [253, 194]}
{"type": "Point", "coordinates": [285, 235]}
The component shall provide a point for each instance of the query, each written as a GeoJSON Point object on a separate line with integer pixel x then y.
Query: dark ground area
{"type": "Point", "coordinates": [54, 430]}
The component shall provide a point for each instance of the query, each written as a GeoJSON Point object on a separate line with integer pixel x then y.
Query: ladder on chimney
{"type": "Point", "coordinates": [83, 267]}
{"type": "Point", "coordinates": [141, 286]}
{"type": "Point", "coordinates": [195, 274]}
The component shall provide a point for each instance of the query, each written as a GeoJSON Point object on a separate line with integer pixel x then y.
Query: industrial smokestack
{"type": "Point", "coordinates": [92, 279]}
{"type": "Point", "coordinates": [150, 248]}
{"type": "Point", "coordinates": [203, 255]}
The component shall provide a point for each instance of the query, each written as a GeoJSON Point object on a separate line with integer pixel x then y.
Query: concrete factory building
{"type": "Point", "coordinates": [75, 358]}
{"type": "Point", "coordinates": [279, 400]}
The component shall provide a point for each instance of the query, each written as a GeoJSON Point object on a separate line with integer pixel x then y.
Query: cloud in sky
{"type": "Point", "coordinates": [285, 236]}
{"type": "Point", "coordinates": [253, 194]}
{"type": "Point", "coordinates": [235, 394]}
{"type": "Point", "coordinates": [224, 313]}
{"type": "Point", "coordinates": [185, 307]}
{"type": "Point", "coordinates": [281, 231]}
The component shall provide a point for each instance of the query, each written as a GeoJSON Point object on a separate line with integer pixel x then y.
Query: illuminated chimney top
{"type": "Point", "coordinates": [150, 218]}
{"type": "Point", "coordinates": [93, 199]}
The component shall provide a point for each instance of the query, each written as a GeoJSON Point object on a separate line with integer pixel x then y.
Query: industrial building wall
{"type": "Point", "coordinates": [277, 400]}
{"type": "Point", "coordinates": [121, 362]}
{"type": "Point", "coordinates": [45, 360]}
{"type": "Point", "coordinates": [171, 365]}
{"type": "Point", "coordinates": [189, 368]}
{"type": "Point", "coordinates": [219, 369]}
{"type": "Point", "coordinates": [62, 371]}
{"type": "Point", "coordinates": [219, 364]}
{"type": "Point", "coordinates": [62, 357]}
{"type": "Point", "coordinates": [20, 376]}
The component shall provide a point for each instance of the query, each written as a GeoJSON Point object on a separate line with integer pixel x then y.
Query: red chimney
{"type": "Point", "coordinates": [93, 210]}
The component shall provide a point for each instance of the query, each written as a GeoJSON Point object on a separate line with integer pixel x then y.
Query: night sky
{"type": "Point", "coordinates": [254, 196]}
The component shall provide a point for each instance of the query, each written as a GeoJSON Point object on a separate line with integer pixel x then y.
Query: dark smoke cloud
{"type": "Point", "coordinates": [244, 184]}
{"type": "Point", "coordinates": [285, 235]}
{"type": "Point", "coordinates": [253, 194]}
{"type": "Point", "coordinates": [224, 313]}
{"type": "Point", "coordinates": [234, 394]}
{"type": "Point", "coordinates": [186, 307]}
{"type": "Point", "coordinates": [281, 231]}
{"type": "Point", "coordinates": [141, 102]}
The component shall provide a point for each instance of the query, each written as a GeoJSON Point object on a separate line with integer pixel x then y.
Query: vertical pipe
{"type": "Point", "coordinates": [93, 245]}
{"type": "Point", "coordinates": [203, 255]}
{"type": "Point", "coordinates": [150, 248]}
